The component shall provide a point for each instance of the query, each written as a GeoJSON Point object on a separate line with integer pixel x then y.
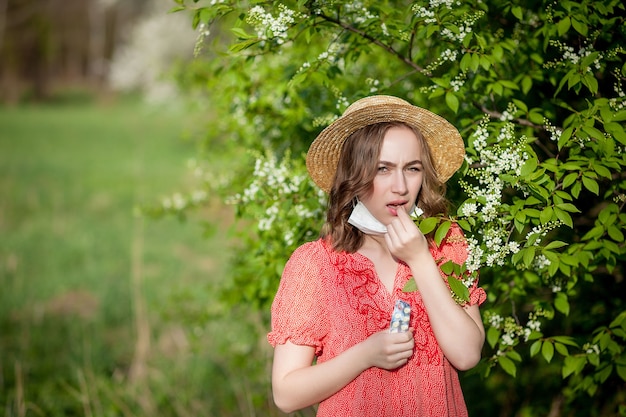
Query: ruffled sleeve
{"type": "Point", "coordinates": [298, 310]}
{"type": "Point", "coordinates": [454, 248]}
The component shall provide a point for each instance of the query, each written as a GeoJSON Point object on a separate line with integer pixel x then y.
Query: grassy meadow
{"type": "Point", "coordinates": [104, 312]}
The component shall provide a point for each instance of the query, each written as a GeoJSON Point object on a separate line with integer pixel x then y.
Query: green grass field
{"type": "Point", "coordinates": [98, 305]}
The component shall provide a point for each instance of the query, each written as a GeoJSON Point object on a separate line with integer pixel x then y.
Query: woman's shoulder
{"type": "Point", "coordinates": [316, 246]}
{"type": "Point", "coordinates": [453, 246]}
{"type": "Point", "coordinates": [314, 251]}
{"type": "Point", "coordinates": [455, 235]}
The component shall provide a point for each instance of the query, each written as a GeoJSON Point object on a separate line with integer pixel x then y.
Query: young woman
{"type": "Point", "coordinates": [331, 315]}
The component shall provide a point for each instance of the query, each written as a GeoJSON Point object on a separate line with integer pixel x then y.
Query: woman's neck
{"type": "Point", "coordinates": [375, 245]}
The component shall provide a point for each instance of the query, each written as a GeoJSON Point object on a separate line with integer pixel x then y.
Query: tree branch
{"type": "Point", "coordinates": [373, 40]}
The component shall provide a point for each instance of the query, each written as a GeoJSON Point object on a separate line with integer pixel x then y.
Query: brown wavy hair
{"type": "Point", "coordinates": [356, 170]}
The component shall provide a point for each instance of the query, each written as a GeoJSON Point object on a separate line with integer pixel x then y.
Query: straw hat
{"type": "Point", "coordinates": [444, 141]}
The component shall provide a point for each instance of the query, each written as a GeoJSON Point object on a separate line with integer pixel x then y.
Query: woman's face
{"type": "Point", "coordinates": [399, 176]}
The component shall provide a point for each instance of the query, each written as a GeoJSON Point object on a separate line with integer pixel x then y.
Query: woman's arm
{"type": "Point", "coordinates": [296, 383]}
{"type": "Point", "coordinates": [459, 330]}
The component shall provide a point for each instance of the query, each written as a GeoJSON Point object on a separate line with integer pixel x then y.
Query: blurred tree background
{"type": "Point", "coordinates": [97, 45]}
{"type": "Point", "coordinates": [99, 308]}
{"type": "Point", "coordinates": [132, 286]}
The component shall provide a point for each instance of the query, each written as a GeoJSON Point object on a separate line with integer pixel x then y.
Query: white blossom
{"type": "Point", "coordinates": [469, 209]}
{"type": "Point", "coordinates": [269, 27]}
{"type": "Point", "coordinates": [507, 339]}
{"type": "Point", "coordinates": [540, 262]}
{"type": "Point", "coordinates": [591, 348]}
{"type": "Point", "coordinates": [555, 133]}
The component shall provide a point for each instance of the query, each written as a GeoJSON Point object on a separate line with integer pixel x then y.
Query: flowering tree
{"type": "Point", "coordinates": [536, 89]}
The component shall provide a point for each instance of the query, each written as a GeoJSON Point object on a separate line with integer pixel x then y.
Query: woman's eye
{"type": "Point", "coordinates": [383, 169]}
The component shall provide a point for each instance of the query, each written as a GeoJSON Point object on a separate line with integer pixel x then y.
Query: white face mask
{"type": "Point", "coordinates": [362, 219]}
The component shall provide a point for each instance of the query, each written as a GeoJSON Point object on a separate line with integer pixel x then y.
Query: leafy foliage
{"type": "Point", "coordinates": [537, 90]}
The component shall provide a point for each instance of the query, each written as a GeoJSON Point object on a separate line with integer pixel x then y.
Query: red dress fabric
{"type": "Point", "coordinates": [332, 301]}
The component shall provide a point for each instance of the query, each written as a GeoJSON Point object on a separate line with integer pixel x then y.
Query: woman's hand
{"type": "Point", "coordinates": [297, 384]}
{"type": "Point", "coordinates": [458, 330]}
{"type": "Point", "coordinates": [404, 239]}
{"type": "Point", "coordinates": [388, 350]}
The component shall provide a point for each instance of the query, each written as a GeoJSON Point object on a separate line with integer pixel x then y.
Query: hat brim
{"type": "Point", "coordinates": [444, 141]}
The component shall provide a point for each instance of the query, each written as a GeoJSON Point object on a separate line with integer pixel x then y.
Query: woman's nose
{"type": "Point", "coordinates": [399, 183]}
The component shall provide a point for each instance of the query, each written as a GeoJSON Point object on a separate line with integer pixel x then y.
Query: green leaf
{"type": "Point", "coordinates": [569, 179]}
{"type": "Point", "coordinates": [620, 320]}
{"type": "Point", "coordinates": [566, 340]}
{"type": "Point", "coordinates": [497, 53]}
{"type": "Point", "coordinates": [535, 115]}
{"type": "Point", "coordinates": [573, 80]}
{"type": "Point", "coordinates": [573, 365]}
{"type": "Point", "coordinates": [238, 47]}
{"type": "Point", "coordinates": [591, 185]}
{"type": "Point", "coordinates": [579, 26]}
{"type": "Point", "coordinates": [591, 82]}
{"type": "Point", "coordinates": [493, 335]}
{"type": "Point", "coordinates": [547, 350]}
{"type": "Point", "coordinates": [593, 132]}
{"type": "Point", "coordinates": [452, 101]}
{"type": "Point", "coordinates": [555, 245]}
{"type": "Point", "coordinates": [561, 348]}
{"type": "Point", "coordinates": [563, 26]}
{"type": "Point", "coordinates": [603, 171]}
{"type": "Point", "coordinates": [615, 233]}
{"type": "Point", "coordinates": [447, 268]}
{"type": "Point", "coordinates": [603, 374]}
{"type": "Point", "coordinates": [561, 303]}
{"type": "Point", "coordinates": [564, 80]}
{"type": "Point", "coordinates": [195, 21]}
{"type": "Point", "coordinates": [442, 231]}
{"type": "Point", "coordinates": [509, 84]}
{"type": "Point", "coordinates": [594, 233]}
{"type": "Point", "coordinates": [410, 286]}
{"type": "Point", "coordinates": [529, 255]}
{"type": "Point", "coordinates": [565, 135]}
{"type": "Point", "coordinates": [465, 61]}
{"type": "Point", "coordinates": [485, 63]}
{"type": "Point", "coordinates": [240, 33]}
{"type": "Point", "coordinates": [564, 217]}
{"type": "Point", "coordinates": [176, 9]}
{"type": "Point", "coordinates": [520, 105]}
{"type": "Point", "coordinates": [514, 355]}
{"type": "Point", "coordinates": [527, 83]}
{"type": "Point", "coordinates": [620, 116]}
{"type": "Point", "coordinates": [458, 288]}
{"type": "Point", "coordinates": [621, 371]}
{"type": "Point", "coordinates": [529, 167]}
{"type": "Point", "coordinates": [546, 215]}
{"type": "Point", "coordinates": [428, 225]}
{"type": "Point", "coordinates": [475, 62]}
{"type": "Point", "coordinates": [535, 348]}
{"type": "Point", "coordinates": [608, 214]}
{"type": "Point", "coordinates": [531, 212]}
{"type": "Point", "coordinates": [507, 365]}
{"type": "Point", "coordinates": [568, 207]}
{"type": "Point", "coordinates": [465, 225]}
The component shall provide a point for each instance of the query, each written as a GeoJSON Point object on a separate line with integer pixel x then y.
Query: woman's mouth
{"type": "Point", "coordinates": [393, 207]}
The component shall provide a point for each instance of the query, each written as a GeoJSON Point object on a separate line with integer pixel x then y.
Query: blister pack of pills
{"type": "Point", "coordinates": [400, 317]}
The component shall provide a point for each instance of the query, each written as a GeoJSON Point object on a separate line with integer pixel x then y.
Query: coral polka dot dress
{"type": "Point", "coordinates": [332, 301]}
